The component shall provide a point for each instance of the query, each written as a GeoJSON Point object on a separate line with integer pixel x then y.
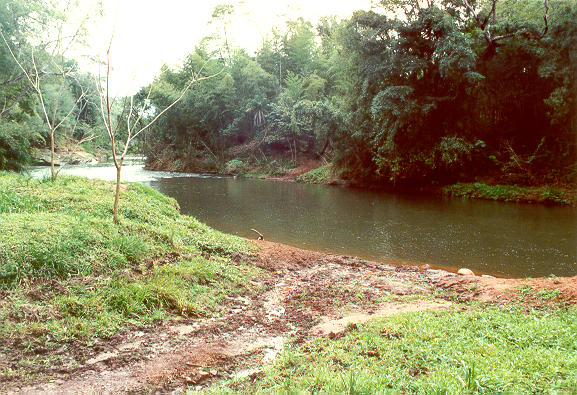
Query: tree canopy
{"type": "Point", "coordinates": [406, 93]}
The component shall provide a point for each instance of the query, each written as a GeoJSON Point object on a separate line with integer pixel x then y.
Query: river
{"type": "Point", "coordinates": [505, 239]}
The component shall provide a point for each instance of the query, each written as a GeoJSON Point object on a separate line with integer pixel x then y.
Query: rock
{"type": "Point", "coordinates": [41, 157]}
{"type": "Point", "coordinates": [487, 276]}
{"type": "Point", "coordinates": [465, 272]}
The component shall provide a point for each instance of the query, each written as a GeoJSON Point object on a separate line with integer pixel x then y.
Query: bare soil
{"type": "Point", "coordinates": [305, 166]}
{"type": "Point", "coordinates": [302, 295]}
{"type": "Point", "coordinates": [530, 293]}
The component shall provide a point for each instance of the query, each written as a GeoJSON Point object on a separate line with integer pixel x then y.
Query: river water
{"type": "Point", "coordinates": [506, 239]}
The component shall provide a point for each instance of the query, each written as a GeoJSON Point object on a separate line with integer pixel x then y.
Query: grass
{"type": "Point", "coordinates": [320, 175]}
{"type": "Point", "coordinates": [481, 349]}
{"type": "Point", "coordinates": [264, 169]}
{"type": "Point", "coordinates": [510, 193]}
{"type": "Point", "coordinates": [69, 273]}
{"type": "Point", "coordinates": [542, 294]}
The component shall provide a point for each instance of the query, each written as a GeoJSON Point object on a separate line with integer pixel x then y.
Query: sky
{"type": "Point", "coordinates": [148, 34]}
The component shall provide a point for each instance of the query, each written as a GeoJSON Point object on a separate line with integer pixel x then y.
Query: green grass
{"type": "Point", "coordinates": [481, 349]}
{"type": "Point", "coordinates": [273, 168]}
{"type": "Point", "coordinates": [320, 175]}
{"type": "Point", "coordinates": [69, 273]}
{"type": "Point", "coordinates": [509, 193]}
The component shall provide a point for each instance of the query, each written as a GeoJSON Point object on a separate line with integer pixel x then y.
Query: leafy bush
{"type": "Point", "coordinates": [236, 166]}
{"type": "Point", "coordinates": [15, 143]}
{"type": "Point", "coordinates": [319, 175]}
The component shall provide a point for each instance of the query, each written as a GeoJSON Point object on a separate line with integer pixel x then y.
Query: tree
{"type": "Point", "coordinates": [133, 121]}
{"type": "Point", "coordinates": [439, 92]}
{"type": "Point", "coordinates": [50, 80]}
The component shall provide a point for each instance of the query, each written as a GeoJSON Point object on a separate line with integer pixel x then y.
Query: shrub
{"type": "Point", "coordinates": [15, 143]}
{"type": "Point", "coordinates": [236, 166]}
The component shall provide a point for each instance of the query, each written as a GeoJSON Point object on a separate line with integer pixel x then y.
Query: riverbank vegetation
{"type": "Point", "coordinates": [512, 193]}
{"type": "Point", "coordinates": [439, 94]}
{"type": "Point", "coordinates": [69, 274]}
{"type": "Point", "coordinates": [473, 350]}
{"type": "Point", "coordinates": [403, 95]}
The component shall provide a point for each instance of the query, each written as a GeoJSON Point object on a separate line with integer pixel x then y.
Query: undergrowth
{"type": "Point", "coordinates": [478, 350]}
{"type": "Point", "coordinates": [509, 193]}
{"type": "Point", "coordinates": [320, 175]}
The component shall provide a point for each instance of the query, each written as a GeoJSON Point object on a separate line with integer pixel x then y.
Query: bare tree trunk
{"type": "Point", "coordinates": [117, 193]}
{"type": "Point", "coordinates": [52, 170]}
{"type": "Point", "coordinates": [133, 127]}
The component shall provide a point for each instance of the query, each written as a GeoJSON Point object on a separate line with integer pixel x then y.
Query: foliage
{"type": "Point", "coordinates": [320, 175]}
{"type": "Point", "coordinates": [15, 142]}
{"type": "Point", "coordinates": [448, 86]}
{"type": "Point", "coordinates": [511, 193]}
{"type": "Point", "coordinates": [32, 80]}
{"type": "Point", "coordinates": [236, 166]}
{"type": "Point", "coordinates": [418, 99]}
{"type": "Point", "coordinates": [407, 93]}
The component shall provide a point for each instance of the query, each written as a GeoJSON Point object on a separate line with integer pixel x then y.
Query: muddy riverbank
{"type": "Point", "coordinates": [301, 295]}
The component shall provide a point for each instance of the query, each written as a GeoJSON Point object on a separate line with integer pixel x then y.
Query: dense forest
{"type": "Point", "coordinates": [440, 93]}
{"type": "Point", "coordinates": [409, 93]}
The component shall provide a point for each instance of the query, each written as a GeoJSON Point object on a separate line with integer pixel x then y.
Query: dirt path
{"type": "Point", "coordinates": [303, 295]}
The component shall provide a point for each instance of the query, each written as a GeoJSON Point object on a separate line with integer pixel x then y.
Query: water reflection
{"type": "Point", "coordinates": [507, 239]}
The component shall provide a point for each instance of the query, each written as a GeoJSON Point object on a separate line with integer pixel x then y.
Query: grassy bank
{"type": "Point", "coordinates": [478, 349]}
{"type": "Point", "coordinates": [69, 274]}
{"type": "Point", "coordinates": [512, 193]}
{"type": "Point", "coordinates": [320, 175]}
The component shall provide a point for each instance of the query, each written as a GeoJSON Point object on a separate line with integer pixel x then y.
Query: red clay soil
{"type": "Point", "coordinates": [536, 292]}
{"type": "Point", "coordinates": [292, 174]}
{"type": "Point", "coordinates": [301, 295]}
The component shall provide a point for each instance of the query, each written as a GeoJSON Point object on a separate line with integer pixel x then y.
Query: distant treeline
{"type": "Point", "coordinates": [408, 93]}
{"type": "Point", "coordinates": [441, 92]}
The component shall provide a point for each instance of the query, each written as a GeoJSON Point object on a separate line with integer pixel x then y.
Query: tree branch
{"type": "Point", "coordinates": [7, 110]}
{"type": "Point", "coordinates": [193, 80]}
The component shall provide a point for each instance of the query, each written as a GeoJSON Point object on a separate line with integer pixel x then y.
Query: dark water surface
{"type": "Point", "coordinates": [518, 240]}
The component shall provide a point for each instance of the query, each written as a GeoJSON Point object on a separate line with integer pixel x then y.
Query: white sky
{"type": "Point", "coordinates": [150, 33]}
